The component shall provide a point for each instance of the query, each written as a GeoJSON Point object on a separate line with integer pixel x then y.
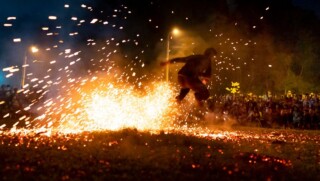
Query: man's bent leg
{"type": "Point", "coordinates": [200, 90]}
{"type": "Point", "coordinates": [183, 93]}
{"type": "Point", "coordinates": [183, 81]}
{"type": "Point", "coordinates": [201, 94]}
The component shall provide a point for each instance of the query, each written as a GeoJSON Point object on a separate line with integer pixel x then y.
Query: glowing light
{"type": "Point", "coordinates": [11, 18]}
{"type": "Point", "coordinates": [93, 21]}
{"type": "Point", "coordinates": [16, 40]}
{"type": "Point", "coordinates": [175, 31]}
{"type": "Point", "coordinates": [8, 68]}
{"type": "Point", "coordinates": [67, 51]}
{"type": "Point", "coordinates": [34, 49]}
{"type": "Point", "coordinates": [52, 17]}
{"type": "Point", "coordinates": [9, 75]}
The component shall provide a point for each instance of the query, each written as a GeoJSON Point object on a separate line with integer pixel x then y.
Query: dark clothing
{"type": "Point", "coordinates": [195, 84]}
{"type": "Point", "coordinates": [196, 66]}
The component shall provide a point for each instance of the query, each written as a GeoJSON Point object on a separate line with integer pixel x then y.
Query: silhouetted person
{"type": "Point", "coordinates": [194, 74]}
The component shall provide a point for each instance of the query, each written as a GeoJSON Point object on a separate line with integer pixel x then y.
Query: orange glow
{"type": "Point", "coordinates": [101, 104]}
{"type": "Point", "coordinates": [34, 49]}
{"type": "Point", "coordinates": [175, 31]}
{"type": "Point", "coordinates": [116, 108]}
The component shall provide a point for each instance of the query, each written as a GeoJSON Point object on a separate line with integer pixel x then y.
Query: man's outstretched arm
{"type": "Point", "coordinates": [174, 60]}
{"type": "Point", "coordinates": [181, 60]}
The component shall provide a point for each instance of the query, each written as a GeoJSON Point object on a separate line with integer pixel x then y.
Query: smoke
{"type": "Point", "coordinates": [216, 120]}
{"type": "Point", "coordinates": [247, 51]}
{"type": "Point", "coordinates": [232, 5]}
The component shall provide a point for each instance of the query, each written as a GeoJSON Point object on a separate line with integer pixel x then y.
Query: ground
{"type": "Point", "coordinates": [219, 153]}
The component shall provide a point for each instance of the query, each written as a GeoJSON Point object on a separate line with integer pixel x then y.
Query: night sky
{"type": "Point", "coordinates": [144, 24]}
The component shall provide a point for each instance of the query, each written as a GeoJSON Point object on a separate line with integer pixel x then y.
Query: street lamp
{"type": "Point", "coordinates": [175, 31]}
{"type": "Point", "coordinates": [33, 49]}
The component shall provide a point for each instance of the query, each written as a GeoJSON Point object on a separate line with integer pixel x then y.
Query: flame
{"type": "Point", "coordinates": [116, 108]}
{"type": "Point", "coordinates": [109, 105]}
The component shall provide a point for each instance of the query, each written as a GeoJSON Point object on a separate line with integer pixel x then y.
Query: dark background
{"type": "Point", "coordinates": [265, 45]}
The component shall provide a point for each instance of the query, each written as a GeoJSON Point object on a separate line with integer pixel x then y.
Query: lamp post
{"type": "Point", "coordinates": [175, 31]}
{"type": "Point", "coordinates": [33, 49]}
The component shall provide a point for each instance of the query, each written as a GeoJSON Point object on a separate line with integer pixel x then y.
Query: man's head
{"type": "Point", "coordinates": [209, 52]}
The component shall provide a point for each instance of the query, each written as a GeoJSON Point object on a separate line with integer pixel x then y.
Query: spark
{"type": "Point", "coordinates": [9, 75]}
{"type": "Point", "coordinates": [11, 18]}
{"type": "Point", "coordinates": [93, 21]}
{"type": "Point", "coordinates": [17, 40]}
{"type": "Point", "coordinates": [52, 17]}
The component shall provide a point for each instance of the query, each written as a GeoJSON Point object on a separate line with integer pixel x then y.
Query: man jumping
{"type": "Point", "coordinates": [194, 74]}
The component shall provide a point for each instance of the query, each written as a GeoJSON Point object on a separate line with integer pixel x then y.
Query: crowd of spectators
{"type": "Point", "coordinates": [9, 101]}
{"type": "Point", "coordinates": [286, 111]}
